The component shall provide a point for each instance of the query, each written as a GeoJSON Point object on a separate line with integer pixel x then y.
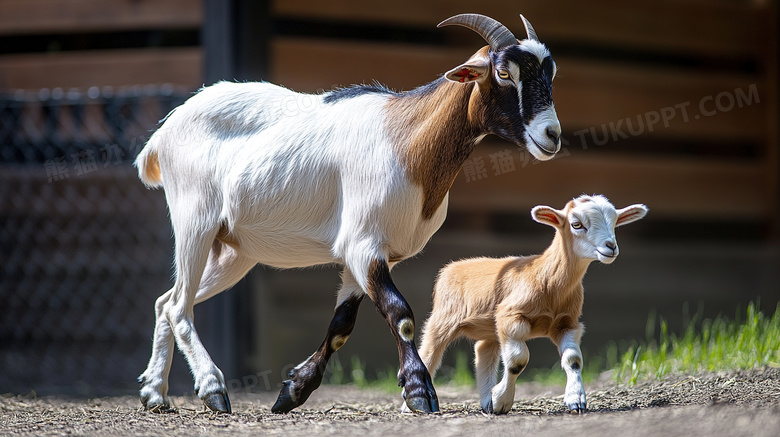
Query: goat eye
{"type": "Point", "coordinates": [503, 74]}
{"type": "Point", "coordinates": [576, 225]}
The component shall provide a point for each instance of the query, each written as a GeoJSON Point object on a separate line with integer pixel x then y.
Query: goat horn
{"type": "Point", "coordinates": [529, 29]}
{"type": "Point", "coordinates": [495, 33]}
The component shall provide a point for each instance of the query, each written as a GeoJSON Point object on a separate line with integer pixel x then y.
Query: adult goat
{"type": "Point", "coordinates": [359, 178]}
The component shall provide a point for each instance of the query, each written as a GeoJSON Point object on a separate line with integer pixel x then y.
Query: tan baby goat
{"type": "Point", "coordinates": [503, 302]}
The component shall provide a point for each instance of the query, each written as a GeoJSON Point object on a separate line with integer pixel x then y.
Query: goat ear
{"type": "Point", "coordinates": [631, 214]}
{"type": "Point", "coordinates": [548, 216]}
{"type": "Point", "coordinates": [474, 70]}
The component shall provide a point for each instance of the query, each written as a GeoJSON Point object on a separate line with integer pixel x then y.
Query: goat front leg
{"type": "Point", "coordinates": [307, 376]}
{"type": "Point", "coordinates": [571, 361]}
{"type": "Point", "coordinates": [514, 354]}
{"type": "Point", "coordinates": [413, 376]}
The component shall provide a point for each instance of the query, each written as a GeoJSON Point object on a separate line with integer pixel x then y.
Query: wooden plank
{"type": "Point", "coordinates": [588, 94]}
{"type": "Point", "coordinates": [717, 28]}
{"type": "Point", "coordinates": [690, 104]}
{"type": "Point", "coordinates": [671, 187]}
{"type": "Point", "coordinates": [177, 66]}
{"type": "Point", "coordinates": [772, 116]}
{"type": "Point", "coordinates": [57, 16]}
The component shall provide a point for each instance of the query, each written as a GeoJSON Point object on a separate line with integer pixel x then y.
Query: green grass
{"type": "Point", "coordinates": [704, 345]}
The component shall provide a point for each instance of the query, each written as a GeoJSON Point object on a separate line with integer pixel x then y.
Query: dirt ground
{"type": "Point", "coordinates": [727, 404]}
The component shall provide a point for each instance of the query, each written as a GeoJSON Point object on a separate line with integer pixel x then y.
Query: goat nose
{"type": "Point", "coordinates": [552, 133]}
{"type": "Point", "coordinates": [611, 245]}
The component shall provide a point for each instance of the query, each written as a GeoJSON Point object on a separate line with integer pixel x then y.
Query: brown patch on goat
{"type": "Point", "coordinates": [434, 132]}
{"type": "Point", "coordinates": [149, 169]}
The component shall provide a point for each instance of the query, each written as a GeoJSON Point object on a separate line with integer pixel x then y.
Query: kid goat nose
{"type": "Point", "coordinates": [611, 245]}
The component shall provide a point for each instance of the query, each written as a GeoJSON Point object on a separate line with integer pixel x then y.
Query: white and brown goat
{"type": "Point", "coordinates": [503, 302]}
{"type": "Point", "coordinates": [256, 173]}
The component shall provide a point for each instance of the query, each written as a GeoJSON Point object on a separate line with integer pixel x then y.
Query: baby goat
{"type": "Point", "coordinates": [503, 302]}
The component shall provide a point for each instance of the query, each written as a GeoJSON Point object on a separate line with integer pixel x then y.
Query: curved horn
{"type": "Point", "coordinates": [495, 33]}
{"type": "Point", "coordinates": [529, 30]}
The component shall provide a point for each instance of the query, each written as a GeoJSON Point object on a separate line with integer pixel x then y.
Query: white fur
{"type": "Point", "coordinates": [536, 135]}
{"type": "Point", "coordinates": [294, 188]}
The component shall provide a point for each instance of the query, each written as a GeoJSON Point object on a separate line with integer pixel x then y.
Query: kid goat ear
{"type": "Point", "coordinates": [547, 216]}
{"type": "Point", "coordinates": [631, 214]}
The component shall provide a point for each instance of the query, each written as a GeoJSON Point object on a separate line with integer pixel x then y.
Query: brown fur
{"type": "Point", "coordinates": [488, 299]}
{"type": "Point", "coordinates": [447, 124]}
{"type": "Point", "coordinates": [149, 166]}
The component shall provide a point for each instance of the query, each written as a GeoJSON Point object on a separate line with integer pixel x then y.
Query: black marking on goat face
{"type": "Point", "coordinates": [511, 112]}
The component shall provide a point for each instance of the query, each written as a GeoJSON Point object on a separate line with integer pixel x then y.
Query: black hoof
{"type": "Point", "coordinates": [218, 402]}
{"type": "Point", "coordinates": [285, 402]}
{"type": "Point", "coordinates": [578, 410]}
{"type": "Point", "coordinates": [419, 396]}
{"type": "Point", "coordinates": [422, 405]}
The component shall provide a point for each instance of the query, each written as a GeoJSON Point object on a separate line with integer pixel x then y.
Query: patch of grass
{"type": "Point", "coordinates": [461, 375]}
{"type": "Point", "coordinates": [705, 345]}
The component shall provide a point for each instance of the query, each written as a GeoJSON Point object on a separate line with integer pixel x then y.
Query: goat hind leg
{"type": "Point", "coordinates": [225, 267]}
{"type": "Point", "coordinates": [154, 380]}
{"type": "Point", "coordinates": [193, 246]}
{"type": "Point", "coordinates": [486, 354]}
{"type": "Point", "coordinates": [307, 376]}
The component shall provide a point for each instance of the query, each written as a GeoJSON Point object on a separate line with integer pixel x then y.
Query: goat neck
{"type": "Point", "coordinates": [434, 129]}
{"type": "Point", "coordinates": [558, 269]}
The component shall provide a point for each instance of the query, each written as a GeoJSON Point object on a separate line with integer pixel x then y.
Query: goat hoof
{"type": "Point", "coordinates": [159, 408]}
{"type": "Point", "coordinates": [422, 405]}
{"type": "Point", "coordinates": [286, 400]}
{"type": "Point", "coordinates": [488, 409]}
{"type": "Point", "coordinates": [218, 402]}
{"type": "Point", "coordinates": [577, 409]}
{"type": "Point", "coordinates": [165, 407]}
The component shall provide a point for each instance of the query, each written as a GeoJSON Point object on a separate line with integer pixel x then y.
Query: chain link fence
{"type": "Point", "coordinates": [85, 248]}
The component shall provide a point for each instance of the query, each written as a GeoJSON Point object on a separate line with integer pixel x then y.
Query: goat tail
{"type": "Point", "coordinates": [149, 165]}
